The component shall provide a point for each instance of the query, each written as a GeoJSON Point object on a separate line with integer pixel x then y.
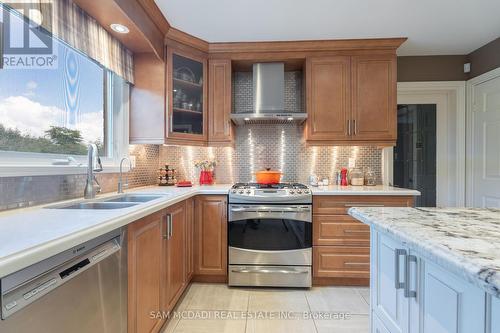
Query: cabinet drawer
{"type": "Point", "coordinates": [341, 261]}
{"type": "Point", "coordinates": [339, 230]}
{"type": "Point", "coordinates": [339, 204]}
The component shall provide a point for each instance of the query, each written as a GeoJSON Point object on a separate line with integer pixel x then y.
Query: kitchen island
{"type": "Point", "coordinates": [434, 269]}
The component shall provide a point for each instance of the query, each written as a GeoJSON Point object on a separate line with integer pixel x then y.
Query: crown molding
{"type": "Point", "coordinates": [308, 45]}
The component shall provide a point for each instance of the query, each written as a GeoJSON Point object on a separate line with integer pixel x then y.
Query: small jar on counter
{"type": "Point", "coordinates": [370, 178]}
{"type": "Point", "coordinates": [357, 177]}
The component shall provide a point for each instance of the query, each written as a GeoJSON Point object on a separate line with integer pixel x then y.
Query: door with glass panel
{"type": "Point", "coordinates": [187, 97]}
{"type": "Point", "coordinates": [415, 152]}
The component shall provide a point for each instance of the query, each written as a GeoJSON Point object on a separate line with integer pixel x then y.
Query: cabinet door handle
{"type": "Point", "coordinates": [349, 127]}
{"type": "Point", "coordinates": [165, 236]}
{"type": "Point", "coordinates": [409, 259]}
{"type": "Point", "coordinates": [170, 226]}
{"type": "Point", "coordinates": [398, 284]}
{"type": "Point", "coordinates": [361, 204]}
{"type": "Point", "coordinates": [355, 127]}
{"type": "Point", "coordinates": [347, 263]}
{"type": "Point", "coordinates": [352, 231]}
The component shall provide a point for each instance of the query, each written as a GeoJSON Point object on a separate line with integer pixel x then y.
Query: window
{"type": "Point", "coordinates": [48, 116]}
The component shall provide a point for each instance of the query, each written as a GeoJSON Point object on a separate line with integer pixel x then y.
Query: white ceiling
{"type": "Point", "coordinates": [432, 26]}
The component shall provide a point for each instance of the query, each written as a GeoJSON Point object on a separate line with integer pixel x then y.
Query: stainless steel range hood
{"type": "Point", "coordinates": [268, 97]}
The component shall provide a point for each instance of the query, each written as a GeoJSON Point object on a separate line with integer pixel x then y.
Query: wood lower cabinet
{"type": "Point", "coordinates": [158, 261]}
{"type": "Point", "coordinates": [189, 239]}
{"type": "Point", "coordinates": [145, 267]}
{"type": "Point", "coordinates": [210, 237]}
{"type": "Point", "coordinates": [341, 261]}
{"type": "Point", "coordinates": [175, 254]}
{"type": "Point", "coordinates": [341, 244]}
{"type": "Point", "coordinates": [339, 230]}
{"type": "Point", "coordinates": [351, 100]}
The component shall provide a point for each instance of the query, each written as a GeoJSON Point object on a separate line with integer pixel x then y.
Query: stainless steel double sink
{"type": "Point", "coordinates": [116, 202]}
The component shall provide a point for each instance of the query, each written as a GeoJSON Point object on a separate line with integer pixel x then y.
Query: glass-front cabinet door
{"type": "Point", "coordinates": [187, 102]}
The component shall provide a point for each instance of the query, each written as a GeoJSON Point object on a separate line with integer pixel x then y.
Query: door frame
{"type": "Point", "coordinates": [470, 84]}
{"type": "Point", "coordinates": [449, 97]}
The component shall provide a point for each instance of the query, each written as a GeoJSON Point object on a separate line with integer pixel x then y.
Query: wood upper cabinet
{"type": "Point", "coordinates": [145, 267]}
{"type": "Point", "coordinates": [186, 96]}
{"type": "Point", "coordinates": [351, 99]}
{"type": "Point", "coordinates": [175, 254]}
{"type": "Point", "coordinates": [328, 98]}
{"type": "Point", "coordinates": [210, 236]}
{"type": "Point", "coordinates": [374, 100]}
{"type": "Point", "coordinates": [220, 129]}
{"type": "Point", "coordinates": [147, 100]}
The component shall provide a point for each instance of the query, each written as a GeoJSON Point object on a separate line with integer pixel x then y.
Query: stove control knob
{"type": "Point", "coordinates": [234, 191]}
{"type": "Point", "coordinates": [291, 191]}
{"type": "Point", "coordinates": [299, 191]}
{"type": "Point", "coordinates": [306, 191]}
{"type": "Point", "coordinates": [248, 191]}
{"type": "Point", "coordinates": [241, 191]}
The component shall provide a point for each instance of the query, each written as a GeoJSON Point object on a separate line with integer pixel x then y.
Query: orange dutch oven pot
{"type": "Point", "coordinates": [268, 176]}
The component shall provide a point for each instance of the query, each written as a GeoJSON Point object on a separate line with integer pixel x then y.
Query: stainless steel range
{"type": "Point", "coordinates": [270, 235]}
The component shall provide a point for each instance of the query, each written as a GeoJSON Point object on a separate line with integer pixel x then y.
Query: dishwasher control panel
{"type": "Point", "coordinates": [19, 297]}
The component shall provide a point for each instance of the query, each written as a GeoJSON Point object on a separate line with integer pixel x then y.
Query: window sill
{"type": "Point", "coordinates": [49, 170]}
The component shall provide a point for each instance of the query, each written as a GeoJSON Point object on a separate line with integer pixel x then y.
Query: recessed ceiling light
{"type": "Point", "coordinates": [120, 28]}
{"type": "Point", "coordinates": [289, 118]}
{"type": "Point", "coordinates": [247, 119]}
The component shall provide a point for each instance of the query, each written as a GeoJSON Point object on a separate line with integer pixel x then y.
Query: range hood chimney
{"type": "Point", "coordinates": [268, 97]}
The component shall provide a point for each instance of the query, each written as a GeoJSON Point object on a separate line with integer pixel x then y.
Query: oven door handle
{"type": "Point", "coordinates": [264, 209]}
{"type": "Point", "coordinates": [268, 271]}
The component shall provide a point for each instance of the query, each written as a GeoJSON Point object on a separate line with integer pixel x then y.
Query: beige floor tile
{"type": "Point", "coordinates": [280, 326]}
{"type": "Point", "coordinates": [210, 324]}
{"type": "Point", "coordinates": [272, 300]}
{"type": "Point", "coordinates": [170, 328]}
{"type": "Point", "coordinates": [217, 297]}
{"type": "Point", "coordinates": [355, 324]}
{"type": "Point", "coordinates": [183, 303]}
{"type": "Point", "coordinates": [337, 299]}
{"type": "Point", "coordinates": [365, 293]}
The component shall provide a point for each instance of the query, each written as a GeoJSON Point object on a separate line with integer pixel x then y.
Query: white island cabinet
{"type": "Point", "coordinates": [412, 294]}
{"type": "Point", "coordinates": [433, 270]}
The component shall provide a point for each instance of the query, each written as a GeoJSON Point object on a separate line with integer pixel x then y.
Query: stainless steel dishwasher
{"type": "Point", "coordinates": [81, 290]}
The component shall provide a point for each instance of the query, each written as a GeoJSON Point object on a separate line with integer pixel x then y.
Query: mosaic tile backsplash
{"type": "Point", "coordinates": [17, 192]}
{"type": "Point", "coordinates": [270, 146]}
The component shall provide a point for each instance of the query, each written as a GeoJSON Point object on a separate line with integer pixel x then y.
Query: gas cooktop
{"type": "Point", "coordinates": [238, 186]}
{"type": "Point", "coordinates": [270, 193]}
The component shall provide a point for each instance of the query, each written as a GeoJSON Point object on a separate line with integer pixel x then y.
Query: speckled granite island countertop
{"type": "Point", "coordinates": [465, 241]}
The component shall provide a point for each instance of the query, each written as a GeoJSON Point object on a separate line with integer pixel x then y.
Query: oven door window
{"type": "Point", "coordinates": [270, 234]}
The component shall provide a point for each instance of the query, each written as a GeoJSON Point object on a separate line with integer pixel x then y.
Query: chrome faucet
{"type": "Point", "coordinates": [92, 187]}
{"type": "Point", "coordinates": [121, 185]}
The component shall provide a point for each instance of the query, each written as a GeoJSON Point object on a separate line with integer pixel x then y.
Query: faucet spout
{"type": "Point", "coordinates": [121, 185]}
{"type": "Point", "coordinates": [94, 165]}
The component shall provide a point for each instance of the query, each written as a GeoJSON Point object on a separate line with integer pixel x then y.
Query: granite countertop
{"type": "Point", "coordinates": [465, 241]}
